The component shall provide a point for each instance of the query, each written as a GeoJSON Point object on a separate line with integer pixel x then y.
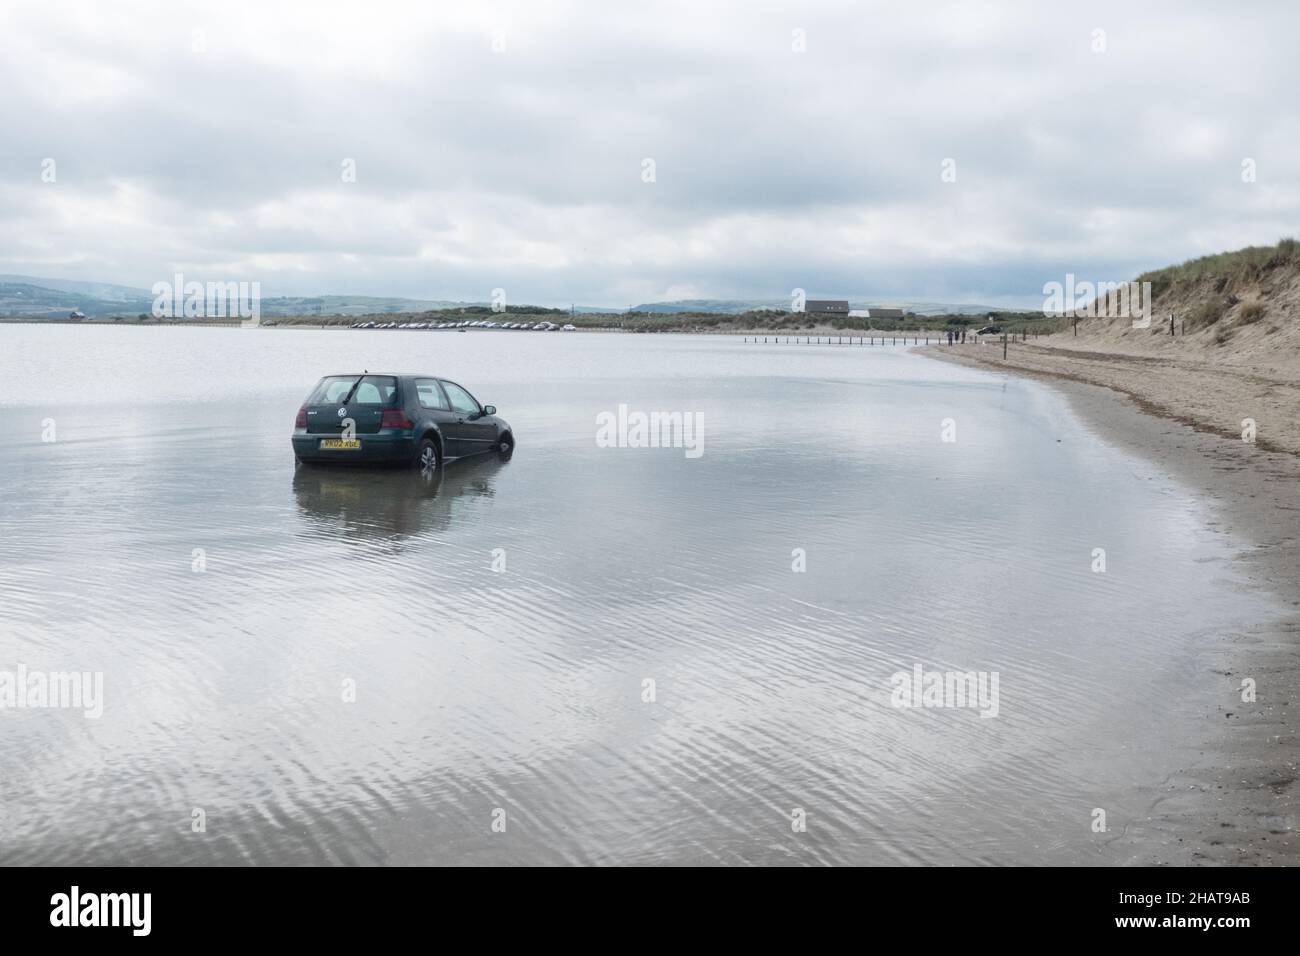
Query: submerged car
{"type": "Point", "coordinates": [422, 420]}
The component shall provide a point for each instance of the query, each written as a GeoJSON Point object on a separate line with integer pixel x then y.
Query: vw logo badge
{"type": "Point", "coordinates": [342, 412]}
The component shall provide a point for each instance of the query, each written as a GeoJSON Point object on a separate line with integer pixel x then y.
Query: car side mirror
{"type": "Point", "coordinates": [489, 409]}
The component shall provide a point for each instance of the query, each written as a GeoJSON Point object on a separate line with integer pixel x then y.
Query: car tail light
{"type": "Point", "coordinates": [395, 418]}
{"type": "Point", "coordinates": [301, 421]}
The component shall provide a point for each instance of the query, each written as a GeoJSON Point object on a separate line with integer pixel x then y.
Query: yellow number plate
{"type": "Point", "coordinates": [340, 444]}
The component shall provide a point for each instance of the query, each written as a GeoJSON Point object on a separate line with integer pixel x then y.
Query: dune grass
{"type": "Point", "coordinates": [1227, 270]}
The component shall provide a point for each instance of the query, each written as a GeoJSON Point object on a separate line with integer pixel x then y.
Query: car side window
{"type": "Point", "coordinates": [461, 400]}
{"type": "Point", "coordinates": [430, 395]}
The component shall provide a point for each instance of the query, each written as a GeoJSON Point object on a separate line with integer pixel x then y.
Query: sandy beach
{"type": "Point", "coordinates": [1181, 410]}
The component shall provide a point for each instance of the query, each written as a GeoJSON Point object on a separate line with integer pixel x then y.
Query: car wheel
{"type": "Point", "coordinates": [428, 457]}
{"type": "Point", "coordinates": [506, 445]}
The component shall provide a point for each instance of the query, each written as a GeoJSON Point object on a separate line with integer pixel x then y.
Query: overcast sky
{"type": "Point", "coordinates": [504, 145]}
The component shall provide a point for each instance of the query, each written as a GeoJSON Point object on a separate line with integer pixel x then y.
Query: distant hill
{"type": "Point", "coordinates": [38, 296]}
{"type": "Point", "coordinates": [353, 305]}
{"type": "Point", "coordinates": [737, 306]}
{"type": "Point", "coordinates": [21, 296]}
{"type": "Point", "coordinates": [98, 291]}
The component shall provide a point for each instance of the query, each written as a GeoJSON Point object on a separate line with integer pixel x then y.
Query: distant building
{"type": "Point", "coordinates": [886, 313]}
{"type": "Point", "coordinates": [827, 307]}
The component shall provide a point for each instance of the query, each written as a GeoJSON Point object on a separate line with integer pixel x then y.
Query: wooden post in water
{"type": "Point", "coordinates": [1004, 345]}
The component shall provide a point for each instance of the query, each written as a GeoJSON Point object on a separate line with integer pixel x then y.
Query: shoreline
{"type": "Point", "coordinates": [342, 325]}
{"type": "Point", "coordinates": [1237, 802]}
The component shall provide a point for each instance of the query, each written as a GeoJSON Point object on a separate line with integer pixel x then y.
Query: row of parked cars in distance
{"type": "Point", "coordinates": [481, 324]}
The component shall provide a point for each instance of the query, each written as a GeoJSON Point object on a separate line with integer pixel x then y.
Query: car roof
{"type": "Point", "coordinates": [388, 375]}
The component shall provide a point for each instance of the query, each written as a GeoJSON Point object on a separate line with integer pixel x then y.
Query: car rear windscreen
{"type": "Point", "coordinates": [373, 390]}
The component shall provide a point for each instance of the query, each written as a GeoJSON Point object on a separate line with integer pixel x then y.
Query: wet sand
{"type": "Point", "coordinates": [1237, 800]}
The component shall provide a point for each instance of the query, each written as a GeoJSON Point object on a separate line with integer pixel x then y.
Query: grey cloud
{"type": "Point", "coordinates": [522, 169]}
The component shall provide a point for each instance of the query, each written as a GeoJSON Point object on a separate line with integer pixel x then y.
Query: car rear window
{"type": "Point", "coordinates": [373, 390]}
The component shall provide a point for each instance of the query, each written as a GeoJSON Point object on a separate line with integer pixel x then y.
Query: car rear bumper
{"type": "Point", "coordinates": [379, 447]}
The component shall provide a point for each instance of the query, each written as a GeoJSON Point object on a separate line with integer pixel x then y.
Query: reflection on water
{"type": "Point", "coordinates": [618, 648]}
{"type": "Point", "coordinates": [384, 503]}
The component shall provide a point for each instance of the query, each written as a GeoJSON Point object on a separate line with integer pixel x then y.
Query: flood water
{"type": "Point", "coordinates": [348, 666]}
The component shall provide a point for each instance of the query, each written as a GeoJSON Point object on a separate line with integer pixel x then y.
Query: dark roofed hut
{"type": "Point", "coordinates": [827, 308]}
